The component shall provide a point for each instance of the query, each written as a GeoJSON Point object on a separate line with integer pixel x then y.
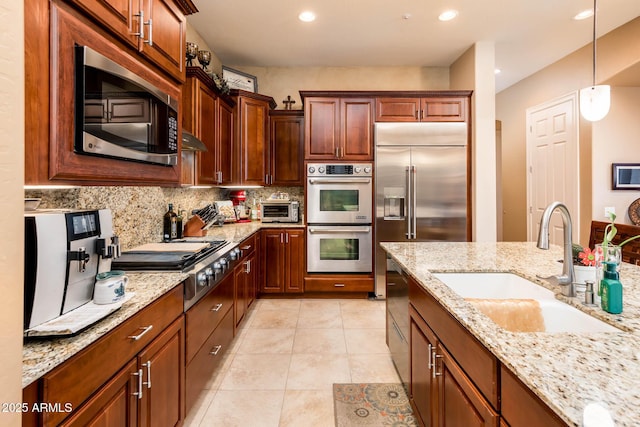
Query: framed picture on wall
{"type": "Point", "coordinates": [626, 176]}
{"type": "Point", "coordinates": [239, 80]}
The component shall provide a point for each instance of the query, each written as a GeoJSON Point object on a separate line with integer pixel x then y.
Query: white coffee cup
{"type": "Point", "coordinates": [110, 287]}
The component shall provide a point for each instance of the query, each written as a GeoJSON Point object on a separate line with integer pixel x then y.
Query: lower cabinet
{"type": "Point", "coordinates": [246, 275]}
{"type": "Point", "coordinates": [282, 256]}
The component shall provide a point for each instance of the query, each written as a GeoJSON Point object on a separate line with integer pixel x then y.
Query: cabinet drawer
{"type": "Point", "coordinates": [480, 365]}
{"type": "Point", "coordinates": [209, 357]}
{"type": "Point", "coordinates": [520, 407]}
{"type": "Point", "coordinates": [75, 380]}
{"type": "Point", "coordinates": [207, 313]}
{"type": "Point", "coordinates": [338, 284]}
{"type": "Point", "coordinates": [248, 245]}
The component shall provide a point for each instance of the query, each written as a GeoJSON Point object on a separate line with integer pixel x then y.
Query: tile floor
{"type": "Point", "coordinates": [285, 359]}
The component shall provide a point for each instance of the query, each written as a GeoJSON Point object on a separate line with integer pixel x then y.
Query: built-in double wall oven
{"type": "Point", "coordinates": [339, 217]}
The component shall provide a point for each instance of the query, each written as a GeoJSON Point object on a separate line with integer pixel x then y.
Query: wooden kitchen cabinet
{"type": "Point", "coordinates": [155, 28]}
{"type": "Point", "coordinates": [286, 165]}
{"type": "Point", "coordinates": [53, 29]}
{"type": "Point", "coordinates": [251, 151]}
{"type": "Point", "coordinates": [417, 109]}
{"type": "Point", "coordinates": [209, 117]}
{"type": "Point", "coordinates": [282, 258]}
{"type": "Point", "coordinates": [246, 277]}
{"type": "Point", "coordinates": [338, 128]}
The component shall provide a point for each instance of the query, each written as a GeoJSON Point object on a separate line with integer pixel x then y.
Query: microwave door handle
{"type": "Point", "coordinates": [408, 201]}
{"type": "Point", "coordinates": [363, 230]}
{"type": "Point", "coordinates": [339, 181]}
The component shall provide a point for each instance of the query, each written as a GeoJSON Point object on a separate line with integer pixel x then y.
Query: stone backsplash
{"type": "Point", "coordinates": [138, 211]}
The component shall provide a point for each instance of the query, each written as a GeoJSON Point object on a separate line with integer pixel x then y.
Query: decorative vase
{"type": "Point", "coordinates": [611, 253]}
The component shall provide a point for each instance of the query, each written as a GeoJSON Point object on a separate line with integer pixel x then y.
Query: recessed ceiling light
{"type": "Point", "coordinates": [406, 16]}
{"type": "Point", "coordinates": [307, 16]}
{"type": "Point", "coordinates": [497, 71]}
{"type": "Point", "coordinates": [584, 15]}
{"type": "Point", "coordinates": [448, 15]}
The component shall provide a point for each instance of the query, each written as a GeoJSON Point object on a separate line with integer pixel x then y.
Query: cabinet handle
{"type": "Point", "coordinates": [435, 364]}
{"type": "Point", "coordinates": [247, 267]}
{"type": "Point", "coordinates": [417, 115]}
{"type": "Point", "coordinates": [148, 366]}
{"type": "Point", "coordinates": [150, 39]}
{"type": "Point", "coordinates": [215, 350]}
{"type": "Point", "coordinates": [281, 238]}
{"type": "Point", "coordinates": [246, 248]}
{"type": "Point", "coordinates": [141, 334]}
{"type": "Point", "coordinates": [431, 353]}
{"type": "Point", "coordinates": [338, 285]}
{"type": "Point", "coordinates": [217, 307]}
{"type": "Point", "coordinates": [266, 179]}
{"type": "Point", "coordinates": [286, 237]}
{"type": "Point", "coordinates": [140, 32]}
{"type": "Point", "coordinates": [139, 375]}
{"type": "Point", "coordinates": [219, 177]}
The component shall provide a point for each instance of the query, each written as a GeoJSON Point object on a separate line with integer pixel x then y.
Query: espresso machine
{"type": "Point", "coordinates": [64, 251]}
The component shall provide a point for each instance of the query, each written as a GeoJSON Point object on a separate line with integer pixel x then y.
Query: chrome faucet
{"type": "Point", "coordinates": [567, 278]}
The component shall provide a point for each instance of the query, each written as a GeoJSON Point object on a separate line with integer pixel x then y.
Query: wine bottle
{"type": "Point", "coordinates": [179, 224]}
{"type": "Point", "coordinates": [169, 225]}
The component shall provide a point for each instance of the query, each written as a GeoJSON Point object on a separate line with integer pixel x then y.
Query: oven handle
{"type": "Point", "coordinates": [339, 181]}
{"type": "Point", "coordinates": [339, 230]}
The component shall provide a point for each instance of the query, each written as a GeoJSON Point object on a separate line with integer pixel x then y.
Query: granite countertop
{"type": "Point", "coordinates": [41, 355]}
{"type": "Point", "coordinates": [566, 370]}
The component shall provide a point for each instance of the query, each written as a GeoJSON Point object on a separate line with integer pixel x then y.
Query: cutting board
{"type": "Point", "coordinates": [192, 247]}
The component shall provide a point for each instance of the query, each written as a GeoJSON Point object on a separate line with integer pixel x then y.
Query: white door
{"type": "Point", "coordinates": [552, 164]}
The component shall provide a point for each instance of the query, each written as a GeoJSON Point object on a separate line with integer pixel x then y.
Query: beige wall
{"type": "Point", "coordinates": [279, 82]}
{"type": "Point", "coordinates": [11, 204]}
{"type": "Point", "coordinates": [474, 70]}
{"type": "Point", "coordinates": [617, 51]}
{"type": "Point", "coordinates": [195, 37]}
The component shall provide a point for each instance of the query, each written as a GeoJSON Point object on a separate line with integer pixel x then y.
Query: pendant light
{"type": "Point", "coordinates": [595, 101]}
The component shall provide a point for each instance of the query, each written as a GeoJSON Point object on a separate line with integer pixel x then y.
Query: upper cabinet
{"type": "Point", "coordinates": [422, 109]}
{"type": "Point", "coordinates": [156, 28]}
{"type": "Point", "coordinates": [286, 165]}
{"type": "Point", "coordinates": [209, 117]}
{"type": "Point", "coordinates": [338, 127]}
{"type": "Point", "coordinates": [251, 151]}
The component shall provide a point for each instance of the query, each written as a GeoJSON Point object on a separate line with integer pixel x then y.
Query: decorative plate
{"type": "Point", "coordinates": [634, 212]}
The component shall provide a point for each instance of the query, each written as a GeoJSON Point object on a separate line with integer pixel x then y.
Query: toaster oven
{"type": "Point", "coordinates": [280, 211]}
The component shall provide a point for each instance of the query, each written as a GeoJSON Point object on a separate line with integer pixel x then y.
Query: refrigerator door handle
{"type": "Point", "coordinates": [414, 202]}
{"type": "Point", "coordinates": [408, 201]}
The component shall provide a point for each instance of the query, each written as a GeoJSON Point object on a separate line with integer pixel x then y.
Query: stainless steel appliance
{"type": "Point", "coordinates": [64, 251]}
{"type": "Point", "coordinates": [206, 266]}
{"type": "Point", "coordinates": [119, 114]}
{"type": "Point", "coordinates": [339, 216]}
{"type": "Point", "coordinates": [339, 193]}
{"type": "Point", "coordinates": [280, 211]}
{"type": "Point", "coordinates": [421, 185]}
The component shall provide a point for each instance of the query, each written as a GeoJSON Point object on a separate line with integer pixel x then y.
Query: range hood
{"type": "Point", "coordinates": [191, 143]}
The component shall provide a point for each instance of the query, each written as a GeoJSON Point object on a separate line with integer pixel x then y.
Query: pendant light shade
{"type": "Point", "coordinates": [595, 101]}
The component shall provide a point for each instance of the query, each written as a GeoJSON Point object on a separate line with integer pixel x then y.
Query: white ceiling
{"type": "Point", "coordinates": [528, 34]}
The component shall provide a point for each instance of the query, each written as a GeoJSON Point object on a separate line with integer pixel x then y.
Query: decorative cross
{"type": "Point", "coordinates": [287, 102]}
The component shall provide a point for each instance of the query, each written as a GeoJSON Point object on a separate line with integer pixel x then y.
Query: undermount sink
{"type": "Point", "coordinates": [509, 299]}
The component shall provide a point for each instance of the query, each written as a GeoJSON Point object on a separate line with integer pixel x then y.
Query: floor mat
{"type": "Point", "coordinates": [372, 405]}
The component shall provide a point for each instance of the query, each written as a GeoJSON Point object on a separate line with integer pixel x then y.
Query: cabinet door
{"type": "Point", "coordinates": [460, 403]}
{"type": "Point", "coordinates": [254, 141]}
{"type": "Point", "coordinates": [294, 262]}
{"type": "Point", "coordinates": [199, 118]}
{"type": "Point", "coordinates": [397, 109]}
{"type": "Point", "coordinates": [287, 156]}
{"type": "Point", "coordinates": [356, 129]}
{"type": "Point", "coordinates": [224, 144]}
{"type": "Point", "coordinates": [113, 405]}
{"type": "Point", "coordinates": [164, 36]}
{"type": "Point", "coordinates": [252, 269]}
{"type": "Point", "coordinates": [322, 128]}
{"type": "Point", "coordinates": [444, 109]}
{"type": "Point", "coordinates": [162, 363]}
{"type": "Point", "coordinates": [273, 261]}
{"type": "Point", "coordinates": [120, 16]}
{"type": "Point", "coordinates": [240, 295]}
{"type": "Point", "coordinates": [422, 386]}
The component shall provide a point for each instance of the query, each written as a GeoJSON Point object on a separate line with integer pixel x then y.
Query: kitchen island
{"type": "Point", "coordinates": [566, 371]}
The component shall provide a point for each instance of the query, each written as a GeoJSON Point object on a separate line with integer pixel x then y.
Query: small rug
{"type": "Point", "coordinates": [372, 405]}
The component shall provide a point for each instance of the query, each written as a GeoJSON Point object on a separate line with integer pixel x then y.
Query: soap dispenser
{"type": "Point", "coordinates": [611, 288]}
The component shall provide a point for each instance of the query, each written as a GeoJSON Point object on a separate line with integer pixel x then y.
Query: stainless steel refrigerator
{"type": "Point", "coordinates": [421, 186]}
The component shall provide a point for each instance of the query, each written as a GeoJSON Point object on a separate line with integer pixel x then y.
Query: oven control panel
{"type": "Point", "coordinates": [340, 169]}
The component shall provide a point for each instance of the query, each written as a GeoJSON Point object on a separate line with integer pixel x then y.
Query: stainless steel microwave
{"type": "Point", "coordinates": [280, 211]}
{"type": "Point", "coordinates": [118, 114]}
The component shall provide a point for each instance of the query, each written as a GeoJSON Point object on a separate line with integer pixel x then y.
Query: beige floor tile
{"type": "Point", "coordinates": [257, 372]}
{"type": "Point", "coordinates": [371, 318]}
{"type": "Point", "coordinates": [272, 341]}
{"type": "Point", "coordinates": [372, 368]}
{"type": "Point", "coordinates": [244, 409]}
{"type": "Point", "coordinates": [217, 377]}
{"type": "Point", "coordinates": [308, 408]}
{"type": "Point", "coordinates": [279, 304]}
{"type": "Point", "coordinates": [275, 319]}
{"type": "Point", "coordinates": [361, 304]}
{"type": "Point", "coordinates": [322, 341]}
{"type": "Point", "coordinates": [366, 341]}
{"type": "Point", "coordinates": [317, 371]}
{"type": "Point", "coordinates": [196, 414]}
{"type": "Point", "coordinates": [319, 314]}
